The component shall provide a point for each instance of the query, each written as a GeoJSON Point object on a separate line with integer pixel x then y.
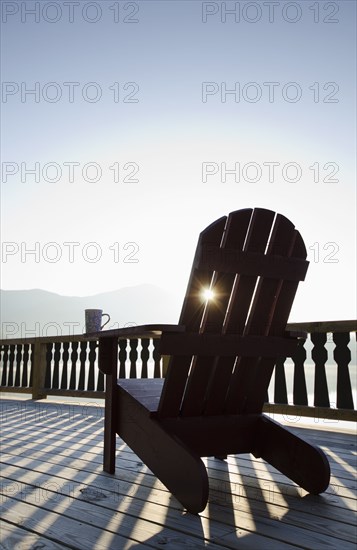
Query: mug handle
{"type": "Point", "coordinates": [106, 322]}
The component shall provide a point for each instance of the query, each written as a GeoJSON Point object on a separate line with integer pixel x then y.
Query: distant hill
{"type": "Point", "coordinates": [26, 313]}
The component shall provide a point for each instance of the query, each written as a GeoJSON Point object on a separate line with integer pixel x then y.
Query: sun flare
{"type": "Point", "coordinates": [208, 294]}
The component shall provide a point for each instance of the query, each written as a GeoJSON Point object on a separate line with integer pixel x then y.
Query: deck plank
{"type": "Point", "coordinates": [38, 491]}
{"type": "Point", "coordinates": [220, 495]}
{"type": "Point", "coordinates": [343, 477]}
{"type": "Point", "coordinates": [53, 483]}
{"type": "Point", "coordinates": [14, 537]}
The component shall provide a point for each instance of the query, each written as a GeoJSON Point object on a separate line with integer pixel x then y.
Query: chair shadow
{"type": "Point", "coordinates": [70, 482]}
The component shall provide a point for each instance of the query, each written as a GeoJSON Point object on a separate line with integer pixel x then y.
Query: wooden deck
{"type": "Point", "coordinates": [55, 494]}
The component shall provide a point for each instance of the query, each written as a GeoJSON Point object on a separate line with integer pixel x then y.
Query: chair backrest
{"type": "Point", "coordinates": [253, 261]}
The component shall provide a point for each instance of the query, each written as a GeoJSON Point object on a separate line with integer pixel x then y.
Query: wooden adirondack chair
{"type": "Point", "coordinates": [222, 356]}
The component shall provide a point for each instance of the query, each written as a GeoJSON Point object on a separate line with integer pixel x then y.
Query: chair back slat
{"type": "Point", "coordinates": [259, 322]}
{"type": "Point", "coordinates": [191, 316]}
{"type": "Point", "coordinates": [242, 294]}
{"type": "Point", "coordinates": [203, 368]}
{"type": "Point", "coordinates": [256, 394]}
{"type": "Point", "coordinates": [242, 259]}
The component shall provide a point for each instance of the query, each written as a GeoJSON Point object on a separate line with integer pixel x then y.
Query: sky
{"type": "Point", "coordinates": [128, 127]}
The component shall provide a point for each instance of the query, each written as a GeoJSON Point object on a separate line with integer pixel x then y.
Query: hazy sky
{"type": "Point", "coordinates": [123, 124]}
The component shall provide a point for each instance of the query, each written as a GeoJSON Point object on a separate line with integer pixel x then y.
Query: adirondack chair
{"type": "Point", "coordinates": [222, 355]}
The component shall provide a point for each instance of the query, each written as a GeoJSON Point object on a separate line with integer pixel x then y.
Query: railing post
{"type": "Point", "coordinates": [39, 371]}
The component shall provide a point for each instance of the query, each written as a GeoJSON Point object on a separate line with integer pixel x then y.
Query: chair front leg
{"type": "Point", "coordinates": [108, 363]}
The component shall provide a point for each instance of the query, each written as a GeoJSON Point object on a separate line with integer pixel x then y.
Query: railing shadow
{"type": "Point", "coordinates": [54, 487]}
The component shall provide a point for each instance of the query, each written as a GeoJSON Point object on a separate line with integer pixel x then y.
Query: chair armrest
{"type": "Point", "coordinates": [300, 334]}
{"type": "Point", "coordinates": [139, 331]}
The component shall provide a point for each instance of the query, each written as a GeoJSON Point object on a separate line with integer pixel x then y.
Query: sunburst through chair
{"type": "Point", "coordinates": [222, 355]}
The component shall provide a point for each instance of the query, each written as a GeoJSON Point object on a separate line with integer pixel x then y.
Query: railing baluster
{"type": "Point", "coordinates": [18, 365]}
{"type": "Point", "coordinates": [280, 391]}
{"type": "Point", "coordinates": [25, 358]}
{"type": "Point", "coordinates": [157, 359]}
{"type": "Point", "coordinates": [48, 378]}
{"type": "Point", "coordinates": [74, 359]}
{"type": "Point", "coordinates": [65, 357]}
{"type": "Point", "coordinates": [5, 358]}
{"type": "Point", "coordinates": [31, 359]}
{"type": "Point", "coordinates": [122, 357]}
{"type": "Point", "coordinates": [56, 359]}
{"type": "Point", "coordinates": [342, 357]}
{"type": "Point", "coordinates": [133, 356]}
{"type": "Point", "coordinates": [319, 355]}
{"type": "Point", "coordinates": [10, 380]}
{"type": "Point", "coordinates": [82, 358]}
{"type": "Point", "coordinates": [92, 357]}
{"type": "Point", "coordinates": [145, 357]}
{"type": "Point", "coordinates": [299, 390]}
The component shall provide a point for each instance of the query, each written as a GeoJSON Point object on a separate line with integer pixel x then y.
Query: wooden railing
{"type": "Point", "coordinates": [68, 366]}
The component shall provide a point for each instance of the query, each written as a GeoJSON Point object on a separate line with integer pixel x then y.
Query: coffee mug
{"type": "Point", "coordinates": [94, 320]}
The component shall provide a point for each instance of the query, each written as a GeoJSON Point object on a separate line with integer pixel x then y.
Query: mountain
{"type": "Point", "coordinates": [29, 313]}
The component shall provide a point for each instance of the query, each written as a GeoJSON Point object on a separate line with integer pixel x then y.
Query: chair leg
{"type": "Point", "coordinates": [110, 420]}
{"type": "Point", "coordinates": [108, 352]}
{"type": "Point", "coordinates": [179, 469]}
{"type": "Point", "coordinates": [109, 443]}
{"type": "Point", "coordinates": [182, 472]}
{"type": "Point", "coordinates": [300, 461]}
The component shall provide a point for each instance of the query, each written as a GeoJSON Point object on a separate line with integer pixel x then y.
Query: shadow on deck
{"type": "Point", "coordinates": [55, 494]}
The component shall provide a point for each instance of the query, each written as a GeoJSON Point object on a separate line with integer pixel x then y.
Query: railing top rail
{"type": "Point", "coordinates": [66, 338]}
{"type": "Point", "coordinates": [134, 332]}
{"type": "Point", "coordinates": [48, 339]}
{"type": "Point", "coordinates": [325, 326]}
